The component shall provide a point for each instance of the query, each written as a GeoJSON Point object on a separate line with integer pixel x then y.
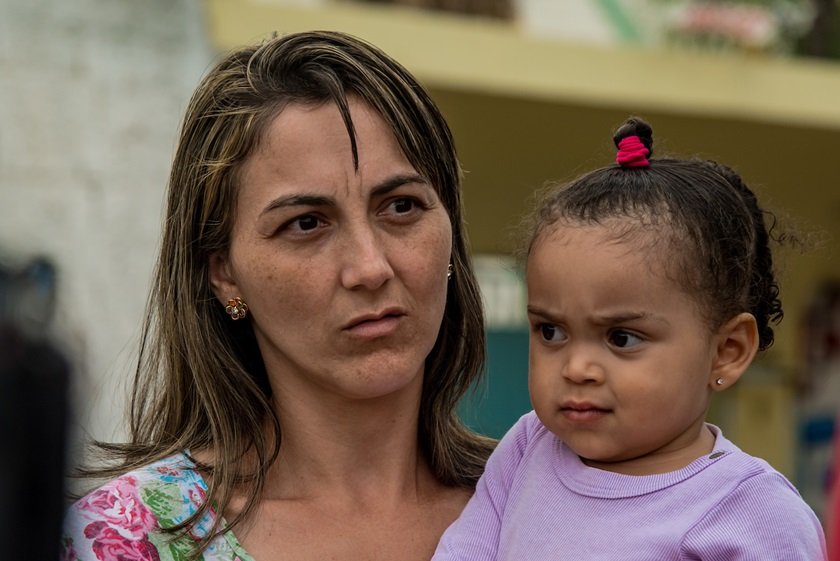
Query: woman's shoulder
{"type": "Point", "coordinates": [123, 518]}
{"type": "Point", "coordinates": [161, 493]}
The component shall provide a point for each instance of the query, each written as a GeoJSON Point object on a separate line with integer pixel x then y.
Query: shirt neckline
{"type": "Point", "coordinates": [593, 482]}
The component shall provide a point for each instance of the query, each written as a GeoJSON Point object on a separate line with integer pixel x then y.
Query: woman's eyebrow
{"type": "Point", "coordinates": [297, 200]}
{"type": "Point", "coordinates": [302, 199]}
{"type": "Point", "coordinates": [397, 181]}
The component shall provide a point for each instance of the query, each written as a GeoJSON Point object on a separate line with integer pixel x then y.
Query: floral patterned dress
{"type": "Point", "coordinates": [122, 520]}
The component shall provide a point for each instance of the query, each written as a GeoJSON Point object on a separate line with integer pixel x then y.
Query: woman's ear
{"type": "Point", "coordinates": [221, 277]}
{"type": "Point", "coordinates": [737, 344]}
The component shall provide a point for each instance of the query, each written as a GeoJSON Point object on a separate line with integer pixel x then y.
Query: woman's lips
{"type": "Point", "coordinates": [375, 325]}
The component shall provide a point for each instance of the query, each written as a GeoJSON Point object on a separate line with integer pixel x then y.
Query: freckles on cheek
{"type": "Point", "coordinates": [256, 278]}
{"type": "Point", "coordinates": [287, 286]}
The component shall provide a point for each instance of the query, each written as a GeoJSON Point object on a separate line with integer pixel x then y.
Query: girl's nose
{"type": "Point", "coordinates": [365, 261]}
{"type": "Point", "coordinates": [582, 366]}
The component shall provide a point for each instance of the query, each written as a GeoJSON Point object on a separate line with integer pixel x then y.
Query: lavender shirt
{"type": "Point", "coordinates": [538, 501]}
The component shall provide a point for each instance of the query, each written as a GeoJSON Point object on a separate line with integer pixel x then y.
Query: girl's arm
{"type": "Point", "coordinates": [764, 519]}
{"type": "Point", "coordinates": [474, 536]}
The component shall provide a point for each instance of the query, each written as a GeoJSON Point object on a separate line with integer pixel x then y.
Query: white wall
{"type": "Point", "coordinates": [91, 95]}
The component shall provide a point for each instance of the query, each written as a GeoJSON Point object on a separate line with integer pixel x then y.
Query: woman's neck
{"type": "Point", "coordinates": [338, 447]}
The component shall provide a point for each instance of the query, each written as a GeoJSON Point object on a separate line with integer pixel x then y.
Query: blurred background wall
{"type": "Point", "coordinates": [91, 93]}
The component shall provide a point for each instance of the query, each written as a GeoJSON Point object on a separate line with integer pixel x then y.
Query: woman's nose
{"type": "Point", "coordinates": [365, 262]}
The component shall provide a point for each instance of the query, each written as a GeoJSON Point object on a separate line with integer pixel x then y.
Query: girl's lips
{"type": "Point", "coordinates": [583, 412]}
{"type": "Point", "coordinates": [584, 415]}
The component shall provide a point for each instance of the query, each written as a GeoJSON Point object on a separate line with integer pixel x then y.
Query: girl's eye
{"type": "Point", "coordinates": [551, 333]}
{"type": "Point", "coordinates": [623, 339]}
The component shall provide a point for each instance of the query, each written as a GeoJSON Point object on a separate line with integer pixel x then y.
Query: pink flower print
{"type": "Point", "coordinates": [197, 495]}
{"type": "Point", "coordinates": [119, 506]}
{"type": "Point", "coordinates": [168, 471]}
{"type": "Point", "coordinates": [110, 545]}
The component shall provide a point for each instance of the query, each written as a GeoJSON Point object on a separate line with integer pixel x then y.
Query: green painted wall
{"type": "Point", "coordinates": [502, 396]}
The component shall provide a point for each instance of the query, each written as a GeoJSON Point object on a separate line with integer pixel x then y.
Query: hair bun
{"type": "Point", "coordinates": [635, 126]}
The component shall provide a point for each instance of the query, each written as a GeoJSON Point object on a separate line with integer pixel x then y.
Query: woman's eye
{"type": "Point", "coordinates": [623, 339]}
{"type": "Point", "coordinates": [551, 333]}
{"type": "Point", "coordinates": [305, 223]}
{"type": "Point", "coordinates": [402, 206]}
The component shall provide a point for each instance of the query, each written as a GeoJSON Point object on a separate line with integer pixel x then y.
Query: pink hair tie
{"type": "Point", "coordinates": [632, 153]}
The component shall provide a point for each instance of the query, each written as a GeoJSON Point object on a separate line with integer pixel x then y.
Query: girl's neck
{"type": "Point", "coordinates": [662, 461]}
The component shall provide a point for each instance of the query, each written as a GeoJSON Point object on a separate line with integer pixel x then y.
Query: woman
{"type": "Point", "coordinates": [314, 321]}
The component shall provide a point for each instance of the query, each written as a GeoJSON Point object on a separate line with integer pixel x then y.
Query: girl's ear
{"type": "Point", "coordinates": [221, 277]}
{"type": "Point", "coordinates": [737, 344]}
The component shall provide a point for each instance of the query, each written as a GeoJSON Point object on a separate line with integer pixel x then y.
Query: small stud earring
{"type": "Point", "coordinates": [236, 308]}
{"type": "Point", "coordinates": [719, 381]}
{"type": "Point", "coordinates": [449, 272]}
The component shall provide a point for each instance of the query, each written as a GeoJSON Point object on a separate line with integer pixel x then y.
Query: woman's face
{"type": "Point", "coordinates": [343, 270]}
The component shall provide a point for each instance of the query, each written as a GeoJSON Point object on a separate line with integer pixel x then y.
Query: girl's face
{"type": "Point", "coordinates": [621, 362]}
{"type": "Point", "coordinates": [343, 270]}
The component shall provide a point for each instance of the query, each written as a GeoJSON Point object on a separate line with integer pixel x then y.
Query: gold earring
{"type": "Point", "coordinates": [236, 308]}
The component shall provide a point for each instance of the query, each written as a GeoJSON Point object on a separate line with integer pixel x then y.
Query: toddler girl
{"type": "Point", "coordinates": [650, 288]}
